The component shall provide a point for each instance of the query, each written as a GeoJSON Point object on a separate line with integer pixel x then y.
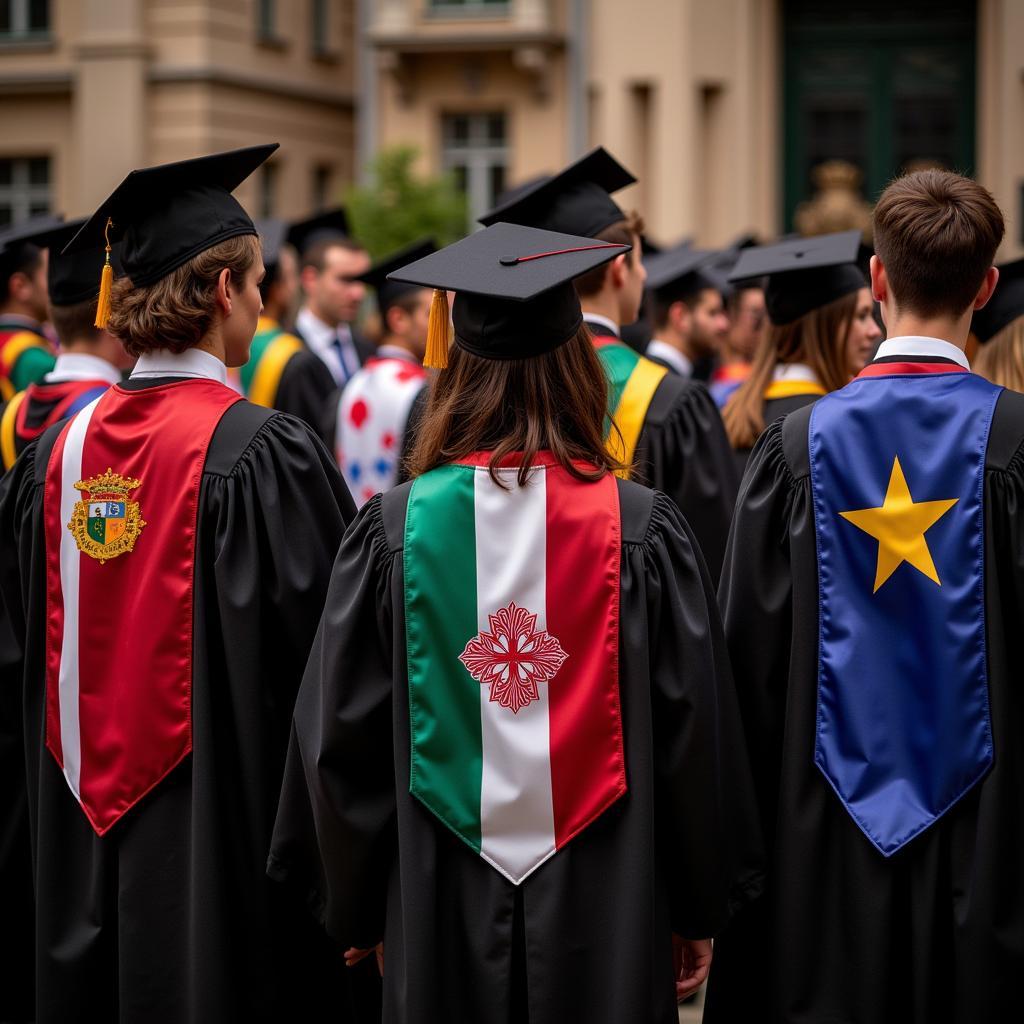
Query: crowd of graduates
{"type": "Point", "coordinates": [580, 620]}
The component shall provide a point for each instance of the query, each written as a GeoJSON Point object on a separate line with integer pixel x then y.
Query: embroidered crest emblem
{"type": "Point", "coordinates": [106, 524]}
{"type": "Point", "coordinates": [513, 657]}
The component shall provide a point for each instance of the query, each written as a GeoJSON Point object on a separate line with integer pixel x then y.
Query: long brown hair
{"type": "Point", "coordinates": [556, 401]}
{"type": "Point", "coordinates": [1001, 360]}
{"type": "Point", "coordinates": [817, 338]}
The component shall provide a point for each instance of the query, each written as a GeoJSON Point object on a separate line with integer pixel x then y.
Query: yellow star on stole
{"type": "Point", "coordinates": [899, 527]}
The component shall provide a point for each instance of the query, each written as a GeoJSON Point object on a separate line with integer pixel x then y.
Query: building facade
{"type": "Point", "coordinates": [725, 110]}
{"type": "Point", "coordinates": [92, 88]}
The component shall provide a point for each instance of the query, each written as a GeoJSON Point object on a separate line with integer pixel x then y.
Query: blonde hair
{"type": "Point", "coordinates": [817, 338]}
{"type": "Point", "coordinates": [177, 311]}
{"type": "Point", "coordinates": [1001, 360]}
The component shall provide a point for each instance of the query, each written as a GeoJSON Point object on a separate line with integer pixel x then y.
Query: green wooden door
{"type": "Point", "coordinates": [880, 84]}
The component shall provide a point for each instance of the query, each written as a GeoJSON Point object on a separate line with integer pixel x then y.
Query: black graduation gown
{"type": "Point", "coordinates": [935, 933]}
{"type": "Point", "coordinates": [170, 916]}
{"type": "Point", "coordinates": [684, 451]}
{"type": "Point", "coordinates": [586, 937]}
{"type": "Point", "coordinates": [329, 427]}
{"type": "Point", "coordinates": [305, 388]}
{"type": "Point", "coordinates": [774, 409]}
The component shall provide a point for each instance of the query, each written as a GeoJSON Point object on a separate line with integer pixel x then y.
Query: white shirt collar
{"type": "Point", "coordinates": [596, 318]}
{"type": "Point", "coordinates": [395, 352]}
{"type": "Point", "coordinates": [82, 366]}
{"type": "Point", "coordinates": [794, 371]}
{"type": "Point", "coordinates": [193, 362]}
{"type": "Point", "coordinates": [667, 354]}
{"type": "Point", "coordinates": [317, 334]}
{"type": "Point", "coordinates": [917, 346]}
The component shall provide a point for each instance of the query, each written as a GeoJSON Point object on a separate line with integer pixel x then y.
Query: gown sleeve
{"type": "Point", "coordinates": [755, 596]}
{"type": "Point", "coordinates": [684, 452]}
{"type": "Point", "coordinates": [756, 599]}
{"type": "Point", "coordinates": [18, 499]}
{"type": "Point", "coordinates": [305, 389]}
{"type": "Point", "coordinates": [342, 735]}
{"type": "Point", "coordinates": [715, 854]}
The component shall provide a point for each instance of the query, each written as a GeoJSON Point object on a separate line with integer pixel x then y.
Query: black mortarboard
{"type": "Point", "coordinates": [165, 215]}
{"type": "Point", "coordinates": [514, 295]}
{"type": "Point", "coordinates": [389, 292]}
{"type": "Point", "coordinates": [803, 273]}
{"type": "Point", "coordinates": [321, 227]}
{"type": "Point", "coordinates": [576, 201]}
{"type": "Point", "coordinates": [273, 234]}
{"type": "Point", "coordinates": [681, 273]}
{"type": "Point", "coordinates": [17, 243]}
{"type": "Point", "coordinates": [1006, 304]}
{"type": "Point", "coordinates": [75, 276]}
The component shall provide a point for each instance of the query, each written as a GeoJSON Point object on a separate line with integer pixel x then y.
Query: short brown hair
{"type": "Point", "coordinates": [936, 234]}
{"type": "Point", "coordinates": [316, 255]}
{"type": "Point", "coordinates": [75, 323]}
{"type": "Point", "coordinates": [623, 232]}
{"type": "Point", "coordinates": [557, 401]}
{"type": "Point", "coordinates": [177, 311]}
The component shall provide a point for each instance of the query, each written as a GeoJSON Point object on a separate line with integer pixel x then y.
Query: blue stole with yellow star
{"type": "Point", "coordinates": [897, 475]}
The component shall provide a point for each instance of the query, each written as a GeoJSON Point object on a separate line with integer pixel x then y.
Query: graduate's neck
{"type": "Point", "coordinates": [900, 324]}
{"type": "Point", "coordinates": [213, 343]}
{"type": "Point", "coordinates": [604, 303]}
{"type": "Point", "coordinates": [396, 341]}
{"type": "Point", "coordinates": [104, 346]}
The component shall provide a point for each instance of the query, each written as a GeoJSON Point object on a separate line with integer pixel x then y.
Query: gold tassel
{"type": "Point", "coordinates": [438, 332]}
{"type": "Point", "coordinates": [106, 284]}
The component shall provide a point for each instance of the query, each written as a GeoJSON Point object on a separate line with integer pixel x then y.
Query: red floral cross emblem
{"type": "Point", "coordinates": [513, 657]}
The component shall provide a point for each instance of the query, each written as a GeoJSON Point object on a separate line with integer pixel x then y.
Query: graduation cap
{"type": "Point", "coordinates": [803, 274]}
{"type": "Point", "coordinates": [577, 200]}
{"type": "Point", "coordinates": [681, 273]}
{"type": "Point", "coordinates": [321, 227]}
{"type": "Point", "coordinates": [389, 292]}
{"type": "Point", "coordinates": [165, 215]}
{"type": "Point", "coordinates": [514, 295]}
{"type": "Point", "coordinates": [17, 244]}
{"type": "Point", "coordinates": [273, 234]}
{"type": "Point", "coordinates": [1006, 304]}
{"type": "Point", "coordinates": [73, 277]}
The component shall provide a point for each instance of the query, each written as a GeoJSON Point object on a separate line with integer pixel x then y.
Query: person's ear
{"type": "Point", "coordinates": [681, 317]}
{"type": "Point", "coordinates": [988, 286]}
{"type": "Point", "coordinates": [308, 278]}
{"type": "Point", "coordinates": [879, 280]}
{"type": "Point", "coordinates": [224, 297]}
{"type": "Point", "coordinates": [619, 270]}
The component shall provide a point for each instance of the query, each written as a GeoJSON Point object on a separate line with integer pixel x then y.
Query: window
{"type": "Point", "coordinates": [24, 19]}
{"type": "Point", "coordinates": [266, 19]}
{"type": "Point", "coordinates": [268, 190]}
{"type": "Point", "coordinates": [322, 174]}
{"type": "Point", "coordinates": [469, 6]}
{"type": "Point", "coordinates": [24, 188]}
{"type": "Point", "coordinates": [320, 27]}
{"type": "Point", "coordinates": [475, 150]}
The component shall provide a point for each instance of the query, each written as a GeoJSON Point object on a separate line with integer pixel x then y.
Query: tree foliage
{"type": "Point", "coordinates": [399, 207]}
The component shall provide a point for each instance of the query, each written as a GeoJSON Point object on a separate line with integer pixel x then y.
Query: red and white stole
{"type": "Point", "coordinates": [120, 516]}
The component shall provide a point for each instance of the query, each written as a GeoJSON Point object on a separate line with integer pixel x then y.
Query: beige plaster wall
{"type": "Point", "coordinates": [691, 106]}
{"type": "Point", "coordinates": [411, 112]}
{"type": "Point", "coordinates": [1000, 116]}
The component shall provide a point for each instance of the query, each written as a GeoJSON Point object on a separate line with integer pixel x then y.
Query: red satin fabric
{"type": "Point", "coordinates": [135, 610]}
{"type": "Point", "coordinates": [584, 544]}
{"type": "Point", "coordinates": [902, 369]}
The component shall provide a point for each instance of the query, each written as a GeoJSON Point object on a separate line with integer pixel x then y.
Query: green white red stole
{"type": "Point", "coordinates": [512, 634]}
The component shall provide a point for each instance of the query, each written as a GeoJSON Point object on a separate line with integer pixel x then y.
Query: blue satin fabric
{"type": "Point", "coordinates": [903, 727]}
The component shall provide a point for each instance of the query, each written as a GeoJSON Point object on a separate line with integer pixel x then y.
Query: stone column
{"type": "Point", "coordinates": [109, 108]}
